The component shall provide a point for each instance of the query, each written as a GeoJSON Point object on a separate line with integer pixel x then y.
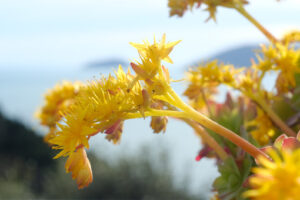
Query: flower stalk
{"type": "Point", "coordinates": [260, 27]}
{"type": "Point", "coordinates": [191, 113]}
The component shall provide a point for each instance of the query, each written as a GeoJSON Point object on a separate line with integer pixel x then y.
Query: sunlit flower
{"type": "Point", "coordinates": [73, 132]}
{"type": "Point", "coordinates": [264, 128]}
{"type": "Point", "coordinates": [249, 82]}
{"type": "Point", "coordinates": [156, 51]}
{"type": "Point", "coordinates": [156, 77]}
{"type": "Point", "coordinates": [276, 179]}
{"type": "Point", "coordinates": [291, 36]}
{"type": "Point", "coordinates": [99, 106]}
{"type": "Point", "coordinates": [205, 79]}
{"type": "Point", "coordinates": [57, 100]}
{"type": "Point", "coordinates": [285, 59]}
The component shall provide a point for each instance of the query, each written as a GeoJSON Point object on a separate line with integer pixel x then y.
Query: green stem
{"type": "Point", "coordinates": [243, 12]}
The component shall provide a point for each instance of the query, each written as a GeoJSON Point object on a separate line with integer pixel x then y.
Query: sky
{"type": "Point", "coordinates": [38, 34]}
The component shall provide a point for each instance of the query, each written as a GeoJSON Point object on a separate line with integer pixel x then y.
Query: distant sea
{"type": "Point", "coordinates": [21, 93]}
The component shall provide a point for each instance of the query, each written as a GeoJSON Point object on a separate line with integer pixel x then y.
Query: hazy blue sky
{"type": "Point", "coordinates": [70, 33]}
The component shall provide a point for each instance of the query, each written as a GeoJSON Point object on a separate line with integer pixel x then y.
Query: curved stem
{"type": "Point", "coordinates": [181, 115]}
{"type": "Point", "coordinates": [190, 113]}
{"type": "Point", "coordinates": [269, 35]}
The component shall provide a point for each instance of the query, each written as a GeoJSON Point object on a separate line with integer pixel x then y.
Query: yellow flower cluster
{"type": "Point", "coordinates": [283, 58]}
{"type": "Point", "coordinates": [204, 80]}
{"type": "Point", "coordinates": [74, 113]}
{"type": "Point", "coordinates": [56, 101]}
{"type": "Point", "coordinates": [179, 7]}
{"type": "Point", "coordinates": [99, 106]}
{"type": "Point", "coordinates": [291, 37]}
{"type": "Point", "coordinates": [264, 130]}
{"type": "Point", "coordinates": [81, 112]}
{"type": "Point", "coordinates": [276, 179]}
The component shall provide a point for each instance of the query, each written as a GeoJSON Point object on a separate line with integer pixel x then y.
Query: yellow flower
{"type": "Point", "coordinates": [79, 165]}
{"type": "Point", "coordinates": [249, 83]}
{"type": "Point", "coordinates": [212, 73]}
{"type": "Point", "coordinates": [229, 74]}
{"type": "Point", "coordinates": [264, 130]}
{"type": "Point", "coordinates": [291, 36]}
{"type": "Point", "coordinates": [288, 63]}
{"type": "Point", "coordinates": [278, 179]}
{"type": "Point", "coordinates": [206, 78]}
{"type": "Point", "coordinates": [178, 7]}
{"type": "Point", "coordinates": [264, 65]}
{"type": "Point", "coordinates": [103, 105]}
{"type": "Point", "coordinates": [202, 76]}
{"type": "Point", "coordinates": [100, 104]}
{"type": "Point", "coordinates": [285, 59]}
{"type": "Point", "coordinates": [156, 77]}
{"type": "Point", "coordinates": [74, 131]}
{"type": "Point", "coordinates": [156, 51]}
{"type": "Point", "coordinates": [204, 81]}
{"type": "Point", "coordinates": [56, 101]}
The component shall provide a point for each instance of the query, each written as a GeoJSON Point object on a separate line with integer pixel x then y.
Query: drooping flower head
{"type": "Point", "coordinates": [102, 106]}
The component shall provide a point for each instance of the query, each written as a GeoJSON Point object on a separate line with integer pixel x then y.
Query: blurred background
{"type": "Point", "coordinates": [46, 41]}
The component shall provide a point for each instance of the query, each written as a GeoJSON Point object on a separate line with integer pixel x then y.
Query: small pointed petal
{"type": "Point", "coordinates": [278, 142]}
{"type": "Point", "coordinates": [138, 70]}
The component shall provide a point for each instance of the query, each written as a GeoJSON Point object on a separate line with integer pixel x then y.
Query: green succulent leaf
{"type": "Point", "coordinates": [229, 184]}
